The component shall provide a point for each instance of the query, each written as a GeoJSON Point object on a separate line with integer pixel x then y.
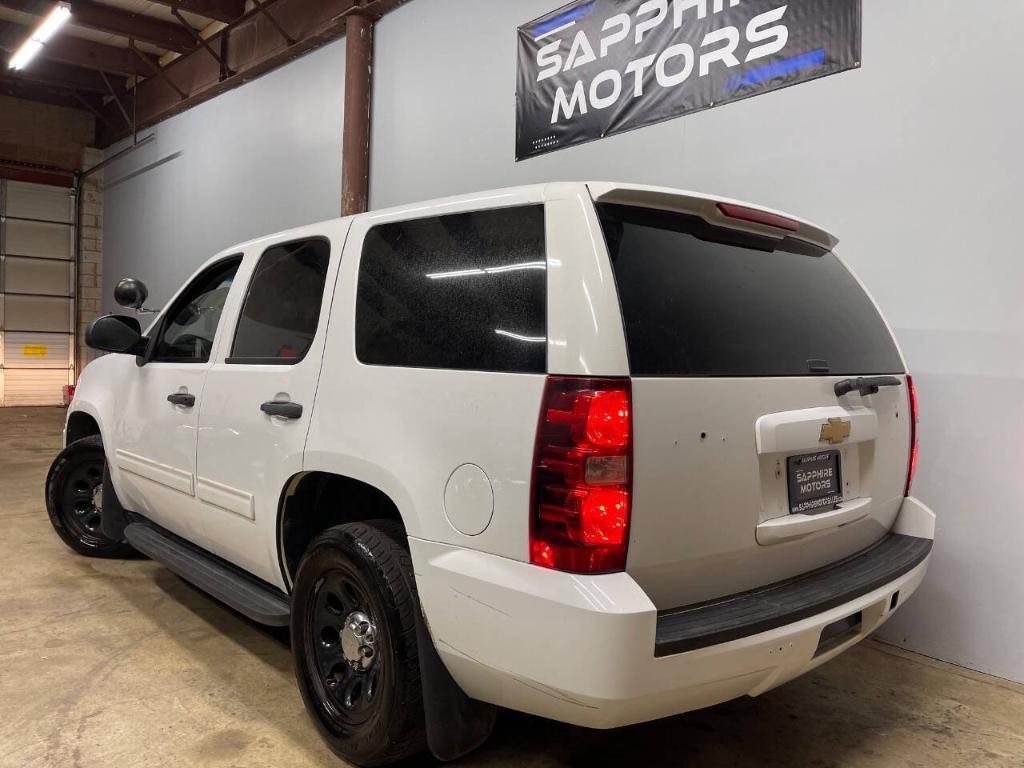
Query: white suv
{"type": "Point", "coordinates": [598, 452]}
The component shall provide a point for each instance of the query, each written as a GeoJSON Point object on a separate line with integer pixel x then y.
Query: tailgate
{"type": "Point", "coordinates": [711, 514]}
{"type": "Point", "coordinates": [748, 467]}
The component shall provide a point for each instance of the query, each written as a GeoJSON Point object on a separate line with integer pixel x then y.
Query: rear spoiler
{"type": "Point", "coordinates": [721, 212]}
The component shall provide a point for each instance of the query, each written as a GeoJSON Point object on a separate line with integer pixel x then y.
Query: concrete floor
{"type": "Point", "coordinates": [109, 663]}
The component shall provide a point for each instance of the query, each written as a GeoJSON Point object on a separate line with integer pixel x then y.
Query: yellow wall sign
{"type": "Point", "coordinates": [35, 350]}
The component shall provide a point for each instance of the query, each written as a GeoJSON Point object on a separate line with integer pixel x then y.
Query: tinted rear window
{"type": "Point", "coordinates": [464, 291]}
{"type": "Point", "coordinates": [703, 301]}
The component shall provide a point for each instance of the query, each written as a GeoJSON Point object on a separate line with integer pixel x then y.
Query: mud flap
{"type": "Point", "coordinates": [456, 724]}
{"type": "Point", "coordinates": [114, 518]}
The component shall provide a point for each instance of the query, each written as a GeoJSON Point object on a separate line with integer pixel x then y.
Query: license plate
{"type": "Point", "coordinates": [814, 482]}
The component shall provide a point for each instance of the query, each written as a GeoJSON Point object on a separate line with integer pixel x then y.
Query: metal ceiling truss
{"type": "Point", "coordinates": [218, 10]}
{"type": "Point", "coordinates": [271, 34]}
{"type": "Point", "coordinates": [107, 18]}
{"type": "Point", "coordinates": [74, 72]}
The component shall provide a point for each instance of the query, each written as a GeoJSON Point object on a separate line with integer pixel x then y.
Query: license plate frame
{"type": "Point", "coordinates": [805, 500]}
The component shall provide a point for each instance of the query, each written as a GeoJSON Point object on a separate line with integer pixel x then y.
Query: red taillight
{"type": "Point", "coordinates": [602, 418]}
{"type": "Point", "coordinates": [912, 394]}
{"type": "Point", "coordinates": [742, 213]}
{"type": "Point", "coordinates": [582, 476]}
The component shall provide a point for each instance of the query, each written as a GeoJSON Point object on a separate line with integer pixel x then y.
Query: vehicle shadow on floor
{"type": "Point", "coordinates": [817, 720]}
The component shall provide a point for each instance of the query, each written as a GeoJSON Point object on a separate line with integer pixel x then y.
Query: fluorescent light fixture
{"type": "Point", "coordinates": [52, 23]}
{"type": "Point", "coordinates": [46, 29]}
{"type": "Point", "coordinates": [25, 54]}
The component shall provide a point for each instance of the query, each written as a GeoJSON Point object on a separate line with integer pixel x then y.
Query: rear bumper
{"type": "Point", "coordinates": [593, 650]}
{"type": "Point", "coordinates": [762, 610]}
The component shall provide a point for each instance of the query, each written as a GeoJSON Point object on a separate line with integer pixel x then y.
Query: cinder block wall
{"type": "Point", "coordinates": [44, 134]}
{"type": "Point", "coordinates": [90, 264]}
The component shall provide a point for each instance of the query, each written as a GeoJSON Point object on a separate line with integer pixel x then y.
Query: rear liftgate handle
{"type": "Point", "coordinates": [866, 385]}
{"type": "Point", "coordinates": [284, 410]}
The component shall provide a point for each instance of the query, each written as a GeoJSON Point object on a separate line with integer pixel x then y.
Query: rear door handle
{"type": "Point", "coordinates": [180, 398]}
{"type": "Point", "coordinates": [284, 410]}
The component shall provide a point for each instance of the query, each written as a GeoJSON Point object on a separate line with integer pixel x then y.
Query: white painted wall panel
{"type": "Point", "coordinates": [31, 238]}
{"type": "Point", "coordinates": [35, 365]}
{"type": "Point", "coordinates": [36, 350]}
{"type": "Point", "coordinates": [39, 386]}
{"type": "Point", "coordinates": [37, 276]}
{"type": "Point", "coordinates": [259, 159]}
{"type": "Point", "coordinates": [32, 313]}
{"type": "Point", "coordinates": [37, 201]}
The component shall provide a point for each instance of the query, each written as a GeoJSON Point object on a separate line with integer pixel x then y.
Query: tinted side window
{"type": "Point", "coordinates": [280, 314]}
{"type": "Point", "coordinates": [187, 331]}
{"type": "Point", "coordinates": [464, 291]}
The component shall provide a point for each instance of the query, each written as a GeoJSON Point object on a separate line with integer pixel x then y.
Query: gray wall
{"type": "Point", "coordinates": [913, 160]}
{"type": "Point", "coordinates": [256, 160]}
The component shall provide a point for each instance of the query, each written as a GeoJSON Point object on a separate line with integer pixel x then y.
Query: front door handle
{"type": "Point", "coordinates": [284, 410]}
{"type": "Point", "coordinates": [182, 399]}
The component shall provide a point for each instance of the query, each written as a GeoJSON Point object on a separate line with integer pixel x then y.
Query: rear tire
{"type": "Point", "coordinates": [353, 631]}
{"type": "Point", "coordinates": [74, 491]}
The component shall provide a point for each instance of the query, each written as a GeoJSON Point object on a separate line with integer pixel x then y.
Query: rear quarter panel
{"type": "Point", "coordinates": [406, 430]}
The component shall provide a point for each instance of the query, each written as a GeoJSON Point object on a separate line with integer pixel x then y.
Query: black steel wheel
{"type": "Point", "coordinates": [74, 499]}
{"type": "Point", "coordinates": [354, 642]}
{"type": "Point", "coordinates": [343, 634]}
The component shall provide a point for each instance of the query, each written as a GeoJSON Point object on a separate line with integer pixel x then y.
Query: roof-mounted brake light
{"type": "Point", "coordinates": [742, 213]}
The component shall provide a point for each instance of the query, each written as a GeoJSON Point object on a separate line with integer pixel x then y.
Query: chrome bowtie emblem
{"type": "Point", "coordinates": [835, 431]}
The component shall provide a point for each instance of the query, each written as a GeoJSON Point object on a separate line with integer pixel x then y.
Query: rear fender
{"type": "Point", "coordinates": [456, 724]}
{"type": "Point", "coordinates": [915, 519]}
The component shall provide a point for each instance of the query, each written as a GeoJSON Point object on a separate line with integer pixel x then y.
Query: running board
{"type": "Point", "coordinates": [246, 594]}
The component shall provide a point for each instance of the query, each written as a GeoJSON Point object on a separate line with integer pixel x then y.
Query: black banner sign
{"type": "Point", "coordinates": [599, 67]}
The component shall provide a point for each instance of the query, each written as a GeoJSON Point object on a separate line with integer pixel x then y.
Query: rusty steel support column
{"type": "Point", "coordinates": [355, 153]}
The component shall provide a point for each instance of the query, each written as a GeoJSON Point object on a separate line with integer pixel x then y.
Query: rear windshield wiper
{"type": "Point", "coordinates": [866, 385]}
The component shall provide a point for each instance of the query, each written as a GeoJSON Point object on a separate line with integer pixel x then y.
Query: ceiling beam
{"type": "Point", "coordinates": [106, 18]}
{"type": "Point", "coordinates": [36, 174]}
{"type": "Point", "coordinates": [163, 34]}
{"type": "Point", "coordinates": [74, 50]}
{"type": "Point", "coordinates": [19, 88]}
{"type": "Point", "coordinates": [96, 111]}
{"type": "Point", "coordinates": [57, 75]}
{"type": "Point", "coordinates": [251, 46]}
{"type": "Point", "coordinates": [219, 10]}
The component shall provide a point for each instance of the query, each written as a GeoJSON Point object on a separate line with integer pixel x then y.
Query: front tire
{"type": "Point", "coordinates": [74, 492]}
{"type": "Point", "coordinates": [354, 641]}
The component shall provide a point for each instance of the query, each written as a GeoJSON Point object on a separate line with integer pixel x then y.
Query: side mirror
{"type": "Point", "coordinates": [131, 293]}
{"type": "Point", "coordinates": [115, 333]}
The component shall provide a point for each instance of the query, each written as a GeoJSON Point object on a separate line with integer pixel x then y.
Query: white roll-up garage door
{"type": "Point", "coordinates": [37, 285]}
